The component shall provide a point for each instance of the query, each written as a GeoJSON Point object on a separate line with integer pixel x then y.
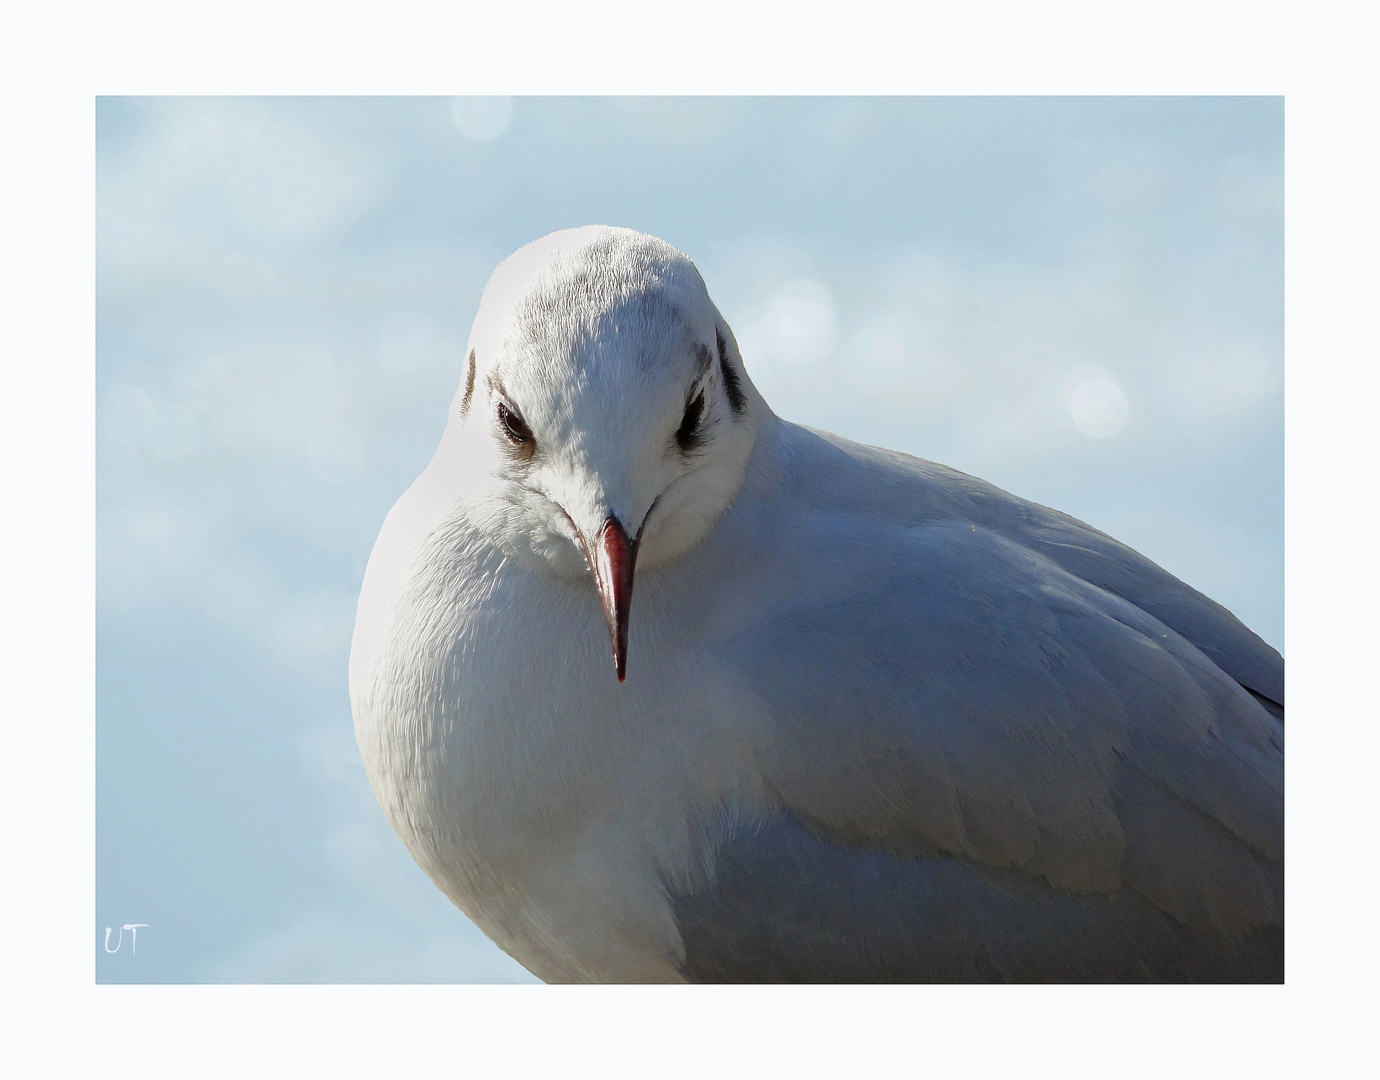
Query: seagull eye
{"type": "Point", "coordinates": [516, 430]}
{"type": "Point", "coordinates": [689, 435]}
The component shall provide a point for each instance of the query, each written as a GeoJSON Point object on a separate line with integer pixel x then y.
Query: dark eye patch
{"type": "Point", "coordinates": [737, 400]}
{"type": "Point", "coordinates": [690, 435]}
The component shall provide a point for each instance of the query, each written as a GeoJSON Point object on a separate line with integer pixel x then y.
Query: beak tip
{"type": "Point", "coordinates": [613, 560]}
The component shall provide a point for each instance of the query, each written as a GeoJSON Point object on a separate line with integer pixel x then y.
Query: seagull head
{"type": "Point", "coordinates": [618, 417]}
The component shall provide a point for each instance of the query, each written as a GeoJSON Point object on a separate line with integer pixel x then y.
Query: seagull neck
{"type": "Point", "coordinates": [764, 470]}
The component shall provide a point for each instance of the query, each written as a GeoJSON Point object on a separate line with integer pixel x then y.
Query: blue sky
{"type": "Point", "coordinates": [1078, 299]}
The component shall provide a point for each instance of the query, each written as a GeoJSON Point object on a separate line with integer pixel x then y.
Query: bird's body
{"type": "Point", "coordinates": [881, 720]}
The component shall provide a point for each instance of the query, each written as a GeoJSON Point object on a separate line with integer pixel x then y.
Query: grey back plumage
{"type": "Point", "coordinates": [790, 907]}
{"type": "Point", "coordinates": [1030, 734]}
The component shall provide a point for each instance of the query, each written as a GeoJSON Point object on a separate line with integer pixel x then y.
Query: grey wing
{"type": "Point", "coordinates": [789, 906]}
{"type": "Point", "coordinates": [989, 767]}
{"type": "Point", "coordinates": [1098, 559]}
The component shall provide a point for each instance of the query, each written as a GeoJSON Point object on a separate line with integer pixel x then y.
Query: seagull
{"type": "Point", "coordinates": [659, 687]}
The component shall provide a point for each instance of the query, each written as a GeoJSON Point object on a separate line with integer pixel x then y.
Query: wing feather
{"type": "Point", "coordinates": [1001, 745]}
{"type": "Point", "coordinates": [971, 697]}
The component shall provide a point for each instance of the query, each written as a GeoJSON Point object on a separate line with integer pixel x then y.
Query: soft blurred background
{"type": "Point", "coordinates": [1078, 299]}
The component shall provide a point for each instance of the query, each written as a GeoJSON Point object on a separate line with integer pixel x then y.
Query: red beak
{"type": "Point", "coordinates": [613, 559]}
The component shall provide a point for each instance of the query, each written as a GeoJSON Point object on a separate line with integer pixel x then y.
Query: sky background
{"type": "Point", "coordinates": [1080, 300]}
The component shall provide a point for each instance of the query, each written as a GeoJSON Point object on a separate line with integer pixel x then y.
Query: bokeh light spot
{"type": "Point", "coordinates": [1096, 403]}
{"type": "Point", "coordinates": [799, 326]}
{"type": "Point", "coordinates": [482, 118]}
